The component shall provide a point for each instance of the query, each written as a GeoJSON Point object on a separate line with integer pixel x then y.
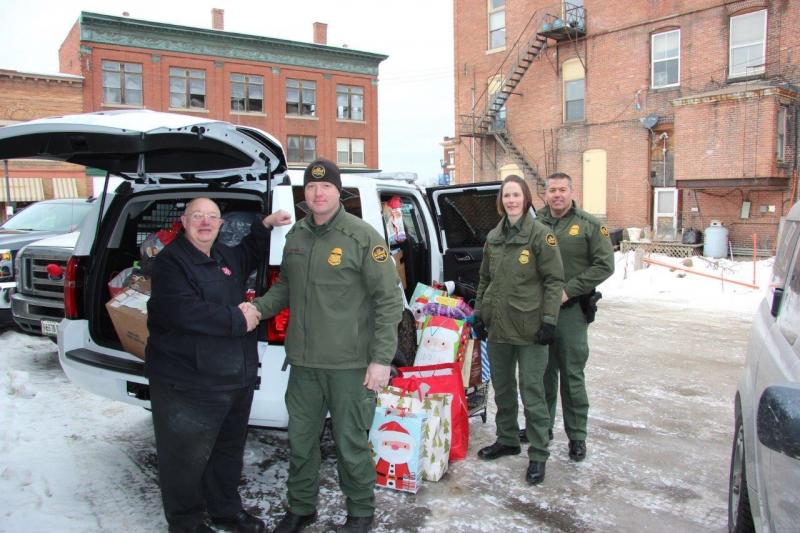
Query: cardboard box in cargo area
{"type": "Point", "coordinates": [128, 312]}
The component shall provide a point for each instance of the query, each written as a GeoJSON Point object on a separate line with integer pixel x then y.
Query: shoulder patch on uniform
{"type": "Point", "coordinates": [380, 254]}
{"type": "Point", "coordinates": [550, 239]}
{"type": "Point", "coordinates": [604, 231]}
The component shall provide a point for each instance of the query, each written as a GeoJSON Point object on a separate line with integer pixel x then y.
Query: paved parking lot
{"type": "Point", "coordinates": [661, 382]}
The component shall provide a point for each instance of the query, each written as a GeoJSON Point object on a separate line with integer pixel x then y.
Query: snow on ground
{"type": "Point", "coordinates": [691, 290]}
{"type": "Point", "coordinates": [661, 384]}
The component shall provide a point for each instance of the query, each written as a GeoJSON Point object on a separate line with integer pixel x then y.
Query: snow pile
{"type": "Point", "coordinates": [673, 286]}
{"type": "Point", "coordinates": [19, 384]}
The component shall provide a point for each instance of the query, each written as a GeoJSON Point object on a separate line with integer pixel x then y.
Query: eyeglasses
{"type": "Point", "coordinates": [211, 217]}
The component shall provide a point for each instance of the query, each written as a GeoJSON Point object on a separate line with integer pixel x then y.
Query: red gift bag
{"type": "Point", "coordinates": [444, 378]}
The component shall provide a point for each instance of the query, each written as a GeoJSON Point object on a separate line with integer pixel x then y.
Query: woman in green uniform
{"type": "Point", "coordinates": [519, 295]}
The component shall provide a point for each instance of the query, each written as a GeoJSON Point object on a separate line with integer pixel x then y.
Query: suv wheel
{"type": "Point", "coordinates": [740, 519]}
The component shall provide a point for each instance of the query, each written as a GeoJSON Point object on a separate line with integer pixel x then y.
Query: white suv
{"type": "Point", "coordinates": [765, 463]}
{"type": "Point", "coordinates": [169, 159]}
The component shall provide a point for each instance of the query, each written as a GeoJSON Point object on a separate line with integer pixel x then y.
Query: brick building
{"type": "Point", "coordinates": [448, 162]}
{"type": "Point", "coordinates": [667, 114]}
{"type": "Point", "coordinates": [25, 96]}
{"type": "Point", "coordinates": [318, 100]}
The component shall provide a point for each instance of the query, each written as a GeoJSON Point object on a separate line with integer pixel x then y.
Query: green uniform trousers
{"type": "Point", "coordinates": [532, 361]}
{"type": "Point", "coordinates": [568, 356]}
{"type": "Point", "coordinates": [310, 395]}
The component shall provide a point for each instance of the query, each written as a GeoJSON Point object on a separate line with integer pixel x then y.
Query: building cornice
{"type": "Point", "coordinates": [125, 31]}
{"type": "Point", "coordinates": [35, 76]}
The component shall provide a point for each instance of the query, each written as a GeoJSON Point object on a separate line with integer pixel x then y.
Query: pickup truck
{"type": "Point", "coordinates": [37, 221]}
{"type": "Point", "coordinates": [37, 304]}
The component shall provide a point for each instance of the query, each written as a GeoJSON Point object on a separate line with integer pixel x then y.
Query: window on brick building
{"type": "Point", "coordinates": [574, 90]}
{"type": "Point", "coordinates": [350, 151]}
{"type": "Point", "coordinates": [301, 148]}
{"type": "Point", "coordinates": [493, 86]}
{"type": "Point", "coordinates": [781, 144]}
{"type": "Point", "coordinates": [301, 97]}
{"type": "Point", "coordinates": [497, 23]}
{"type": "Point", "coordinates": [122, 83]}
{"type": "Point", "coordinates": [349, 102]}
{"type": "Point", "coordinates": [187, 88]}
{"type": "Point", "coordinates": [748, 44]}
{"type": "Point", "coordinates": [665, 52]}
{"type": "Point", "coordinates": [247, 93]}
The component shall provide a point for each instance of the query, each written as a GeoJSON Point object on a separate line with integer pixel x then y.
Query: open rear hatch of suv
{"type": "Point", "coordinates": [166, 160]}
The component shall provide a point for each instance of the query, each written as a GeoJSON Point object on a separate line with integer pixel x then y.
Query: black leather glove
{"type": "Point", "coordinates": [480, 329]}
{"type": "Point", "coordinates": [546, 334]}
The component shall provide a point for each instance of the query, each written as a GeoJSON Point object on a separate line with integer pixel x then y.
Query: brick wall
{"type": "Point", "coordinates": [27, 97]}
{"type": "Point", "coordinates": [69, 52]}
{"type": "Point", "coordinates": [725, 139]}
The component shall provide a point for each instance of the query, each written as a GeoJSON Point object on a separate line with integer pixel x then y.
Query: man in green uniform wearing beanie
{"type": "Point", "coordinates": [342, 289]}
{"type": "Point", "coordinates": [588, 258]}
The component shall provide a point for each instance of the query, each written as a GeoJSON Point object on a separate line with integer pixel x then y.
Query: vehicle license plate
{"type": "Point", "coordinates": [49, 328]}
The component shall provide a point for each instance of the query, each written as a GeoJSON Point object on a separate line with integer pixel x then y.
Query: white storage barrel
{"type": "Point", "coordinates": [715, 243]}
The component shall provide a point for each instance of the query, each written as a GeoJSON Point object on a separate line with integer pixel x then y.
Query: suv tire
{"type": "Point", "coordinates": [740, 518]}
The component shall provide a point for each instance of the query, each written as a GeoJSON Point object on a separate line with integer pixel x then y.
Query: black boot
{"type": "Point", "coordinates": [577, 450]}
{"type": "Point", "coordinates": [356, 524]}
{"type": "Point", "coordinates": [535, 473]}
{"type": "Point", "coordinates": [241, 522]}
{"type": "Point", "coordinates": [497, 450]}
{"type": "Point", "coordinates": [294, 522]}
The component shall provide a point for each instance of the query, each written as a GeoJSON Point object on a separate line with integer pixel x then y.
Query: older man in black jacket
{"type": "Point", "coordinates": [202, 362]}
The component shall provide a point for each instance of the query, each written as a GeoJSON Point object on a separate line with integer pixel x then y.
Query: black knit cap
{"type": "Point", "coordinates": [322, 170]}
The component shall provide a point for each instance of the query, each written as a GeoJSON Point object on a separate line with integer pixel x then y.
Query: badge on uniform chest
{"type": "Point", "coordinates": [524, 257]}
{"type": "Point", "coordinates": [225, 270]}
{"type": "Point", "coordinates": [335, 258]}
{"type": "Point", "coordinates": [574, 230]}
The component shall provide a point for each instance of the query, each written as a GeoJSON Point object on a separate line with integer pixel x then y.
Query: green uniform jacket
{"type": "Point", "coordinates": [585, 249]}
{"type": "Point", "coordinates": [521, 278]}
{"type": "Point", "coordinates": [341, 286]}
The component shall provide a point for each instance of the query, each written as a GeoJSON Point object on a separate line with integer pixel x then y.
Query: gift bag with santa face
{"type": "Point", "coordinates": [395, 441]}
{"type": "Point", "coordinates": [442, 339]}
{"type": "Point", "coordinates": [437, 431]}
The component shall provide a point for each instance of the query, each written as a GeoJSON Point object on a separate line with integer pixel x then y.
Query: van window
{"type": "Point", "coordinates": [49, 217]}
{"type": "Point", "coordinates": [789, 314]}
{"type": "Point", "coordinates": [468, 217]}
{"type": "Point", "coordinates": [783, 256]}
{"type": "Point", "coordinates": [350, 198]}
{"type": "Point", "coordinates": [412, 252]}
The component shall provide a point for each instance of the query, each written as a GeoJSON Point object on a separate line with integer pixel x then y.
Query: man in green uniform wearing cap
{"type": "Point", "coordinates": [588, 258]}
{"type": "Point", "coordinates": [342, 290]}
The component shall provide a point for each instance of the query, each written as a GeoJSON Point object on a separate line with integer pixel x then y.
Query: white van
{"type": "Point", "coordinates": [765, 463]}
{"type": "Point", "coordinates": [169, 159]}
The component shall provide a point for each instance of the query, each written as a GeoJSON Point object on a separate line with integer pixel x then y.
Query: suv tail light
{"type": "Point", "coordinates": [279, 324]}
{"type": "Point", "coordinates": [73, 289]}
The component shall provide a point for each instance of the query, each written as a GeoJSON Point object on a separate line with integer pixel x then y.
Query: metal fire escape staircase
{"type": "Point", "coordinates": [492, 121]}
{"type": "Point", "coordinates": [526, 50]}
